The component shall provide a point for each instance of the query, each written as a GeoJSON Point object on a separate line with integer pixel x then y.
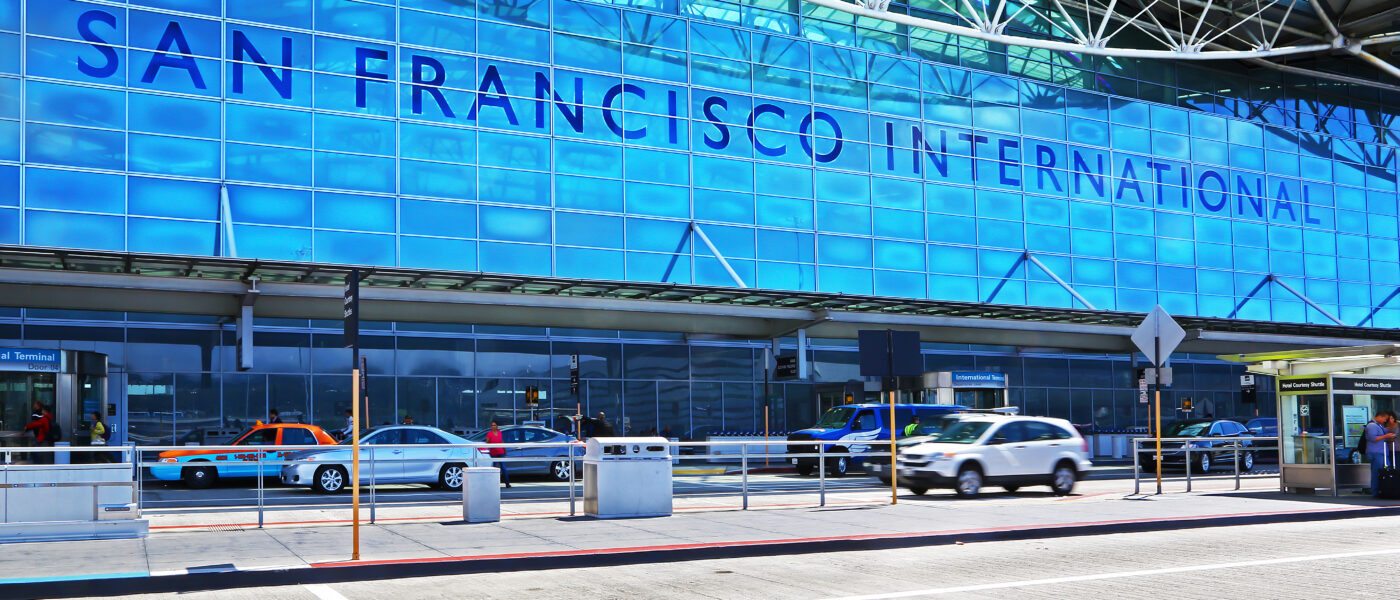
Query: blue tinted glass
{"type": "Point", "coordinates": [440, 31]}
{"type": "Point", "coordinates": [424, 217]}
{"type": "Point", "coordinates": [9, 15]}
{"type": "Point", "coordinates": [431, 142]}
{"type": "Point", "coordinates": [274, 243]}
{"type": "Point", "coordinates": [359, 19]}
{"type": "Point", "coordinates": [498, 257]}
{"type": "Point", "coordinates": [354, 248]}
{"type": "Point", "coordinates": [73, 190]}
{"type": "Point", "coordinates": [263, 164]}
{"type": "Point", "coordinates": [649, 199]}
{"type": "Point", "coordinates": [439, 180]}
{"type": "Point", "coordinates": [514, 224]}
{"type": "Point", "coordinates": [53, 144]}
{"type": "Point", "coordinates": [75, 105]}
{"type": "Point", "coordinates": [354, 134]}
{"type": "Point", "coordinates": [173, 198]}
{"type": "Point", "coordinates": [437, 253]}
{"type": "Point", "coordinates": [9, 226]}
{"type": "Point", "coordinates": [598, 231]}
{"type": "Point", "coordinates": [360, 213]}
{"type": "Point", "coordinates": [271, 206]}
{"type": "Point", "coordinates": [74, 230]}
{"type": "Point", "coordinates": [264, 125]}
{"type": "Point", "coordinates": [174, 156]}
{"type": "Point", "coordinates": [171, 237]}
{"type": "Point", "coordinates": [9, 186]}
{"type": "Point", "coordinates": [177, 116]}
{"type": "Point", "coordinates": [590, 263]}
{"type": "Point", "coordinates": [364, 173]}
{"type": "Point", "coordinates": [291, 13]}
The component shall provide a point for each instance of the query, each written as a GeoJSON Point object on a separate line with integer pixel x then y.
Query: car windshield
{"type": "Point", "coordinates": [835, 418]}
{"type": "Point", "coordinates": [1186, 429]}
{"type": "Point", "coordinates": [963, 432]}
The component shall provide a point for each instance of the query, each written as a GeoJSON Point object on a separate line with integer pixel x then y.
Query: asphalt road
{"type": "Point", "coordinates": [1324, 559]}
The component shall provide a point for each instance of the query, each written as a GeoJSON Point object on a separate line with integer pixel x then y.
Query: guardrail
{"type": "Point", "coordinates": [1188, 445]}
{"type": "Point", "coordinates": [262, 458]}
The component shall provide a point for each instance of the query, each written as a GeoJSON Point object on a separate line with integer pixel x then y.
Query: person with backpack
{"type": "Point", "coordinates": [100, 435]}
{"type": "Point", "coordinates": [1377, 437]}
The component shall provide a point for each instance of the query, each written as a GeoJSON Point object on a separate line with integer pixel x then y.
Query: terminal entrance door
{"type": "Point", "coordinates": [18, 393]}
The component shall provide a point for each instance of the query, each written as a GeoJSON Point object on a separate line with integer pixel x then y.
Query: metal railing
{"type": "Point", "coordinates": [1187, 446]}
{"type": "Point", "coordinates": [263, 458]}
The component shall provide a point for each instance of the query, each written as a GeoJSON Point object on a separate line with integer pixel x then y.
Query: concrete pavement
{"type": "Point", "coordinates": [206, 549]}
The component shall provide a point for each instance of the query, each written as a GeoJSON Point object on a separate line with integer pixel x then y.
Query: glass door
{"type": "Point", "coordinates": [18, 393]}
{"type": "Point", "coordinates": [1303, 428]}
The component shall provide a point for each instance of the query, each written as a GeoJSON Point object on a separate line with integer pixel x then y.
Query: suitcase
{"type": "Point", "coordinates": [1388, 483]}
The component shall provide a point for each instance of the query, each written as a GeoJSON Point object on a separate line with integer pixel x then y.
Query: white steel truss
{"type": "Point", "coordinates": [1254, 30]}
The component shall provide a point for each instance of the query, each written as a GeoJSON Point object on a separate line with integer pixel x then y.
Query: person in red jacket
{"type": "Point", "coordinates": [40, 424]}
{"type": "Point", "coordinates": [494, 437]}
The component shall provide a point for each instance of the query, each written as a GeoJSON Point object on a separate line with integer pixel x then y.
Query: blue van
{"type": "Point", "coordinates": [858, 427]}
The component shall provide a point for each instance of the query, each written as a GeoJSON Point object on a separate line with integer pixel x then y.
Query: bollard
{"type": "Point", "coordinates": [1185, 446]}
{"type": "Point", "coordinates": [571, 480]}
{"type": "Point", "coordinates": [1237, 466]}
{"type": "Point", "coordinates": [371, 485]}
{"type": "Point", "coordinates": [1137, 470]}
{"type": "Point", "coordinates": [260, 490]}
{"type": "Point", "coordinates": [136, 464]}
{"type": "Point", "coordinates": [821, 470]}
{"type": "Point", "coordinates": [744, 468]}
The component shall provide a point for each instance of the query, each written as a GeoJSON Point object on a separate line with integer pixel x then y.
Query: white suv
{"type": "Point", "coordinates": [999, 450]}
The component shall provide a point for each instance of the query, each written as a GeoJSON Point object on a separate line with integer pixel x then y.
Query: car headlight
{"type": "Point", "coordinates": [169, 460]}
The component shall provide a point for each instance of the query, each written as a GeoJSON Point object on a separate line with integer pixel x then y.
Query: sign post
{"type": "Point", "coordinates": [352, 335]}
{"type": "Point", "coordinates": [891, 354]}
{"type": "Point", "coordinates": [1157, 337]}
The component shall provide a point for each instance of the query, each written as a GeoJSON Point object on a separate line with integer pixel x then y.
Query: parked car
{"type": "Point", "coordinates": [1205, 452]}
{"type": "Point", "coordinates": [553, 460]}
{"type": "Point", "coordinates": [328, 470]}
{"type": "Point", "coordinates": [857, 428]}
{"type": "Point", "coordinates": [1008, 451]}
{"type": "Point", "coordinates": [200, 468]}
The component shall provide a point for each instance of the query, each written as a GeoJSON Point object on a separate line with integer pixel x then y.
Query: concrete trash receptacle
{"type": "Point", "coordinates": [481, 494]}
{"type": "Point", "coordinates": [627, 477]}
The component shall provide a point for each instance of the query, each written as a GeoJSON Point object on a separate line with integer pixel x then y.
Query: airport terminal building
{"type": "Point", "coordinates": [669, 189]}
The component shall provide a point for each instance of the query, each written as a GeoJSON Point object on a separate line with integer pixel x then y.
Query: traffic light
{"type": "Point", "coordinates": [532, 395]}
{"type": "Point", "coordinates": [1186, 404]}
{"type": "Point", "coordinates": [850, 398]}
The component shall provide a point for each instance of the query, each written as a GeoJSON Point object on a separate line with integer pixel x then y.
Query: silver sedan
{"type": "Point", "coordinates": [409, 454]}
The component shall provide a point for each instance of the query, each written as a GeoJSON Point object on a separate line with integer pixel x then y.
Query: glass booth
{"type": "Point", "coordinates": [1321, 418]}
{"type": "Point", "coordinates": [70, 383]}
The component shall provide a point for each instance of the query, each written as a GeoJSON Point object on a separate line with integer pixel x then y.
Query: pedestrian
{"type": "Point", "coordinates": [100, 433]}
{"type": "Point", "coordinates": [666, 432]}
{"type": "Point", "coordinates": [494, 437]}
{"type": "Point", "coordinates": [273, 416]}
{"type": "Point", "coordinates": [1377, 434]}
{"type": "Point", "coordinates": [41, 425]}
{"type": "Point", "coordinates": [349, 425]}
{"type": "Point", "coordinates": [408, 419]}
{"type": "Point", "coordinates": [601, 426]}
{"type": "Point", "coordinates": [913, 427]}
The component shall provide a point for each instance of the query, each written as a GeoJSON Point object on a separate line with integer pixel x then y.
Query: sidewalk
{"type": "Point", "coordinates": [200, 549]}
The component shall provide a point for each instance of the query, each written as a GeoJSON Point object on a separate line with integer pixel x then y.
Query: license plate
{"type": "Point", "coordinates": [906, 472]}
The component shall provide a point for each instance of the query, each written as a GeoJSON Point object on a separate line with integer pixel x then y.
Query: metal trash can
{"type": "Point", "coordinates": [481, 494]}
{"type": "Point", "coordinates": [627, 477]}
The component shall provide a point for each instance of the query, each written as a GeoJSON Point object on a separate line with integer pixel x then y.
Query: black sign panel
{"type": "Point", "coordinates": [352, 308]}
{"type": "Point", "coordinates": [1364, 384]}
{"type": "Point", "coordinates": [1310, 384]}
{"type": "Point", "coordinates": [573, 374]}
{"type": "Point", "coordinates": [890, 353]}
{"type": "Point", "coordinates": [786, 368]}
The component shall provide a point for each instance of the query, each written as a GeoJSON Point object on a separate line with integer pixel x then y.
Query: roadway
{"type": "Point", "coordinates": [1331, 559]}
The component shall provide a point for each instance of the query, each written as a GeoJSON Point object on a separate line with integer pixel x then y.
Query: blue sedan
{"type": "Point", "coordinates": [550, 460]}
{"type": "Point", "coordinates": [431, 462]}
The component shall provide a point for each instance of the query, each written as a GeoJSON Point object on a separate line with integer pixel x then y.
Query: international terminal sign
{"type": "Point", "coordinates": [267, 62]}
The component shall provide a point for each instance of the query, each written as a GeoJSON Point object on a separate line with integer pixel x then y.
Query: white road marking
{"type": "Point", "coordinates": [324, 592]}
{"type": "Point", "coordinates": [1117, 575]}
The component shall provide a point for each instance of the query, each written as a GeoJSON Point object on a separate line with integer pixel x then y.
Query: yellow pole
{"type": "Point", "coordinates": [1157, 400]}
{"type": "Point", "coordinates": [355, 451]}
{"type": "Point", "coordinates": [894, 473]}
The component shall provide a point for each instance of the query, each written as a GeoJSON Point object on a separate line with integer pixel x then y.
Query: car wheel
{"type": "Point", "coordinates": [1062, 480]}
{"type": "Point", "coordinates": [1247, 461]}
{"type": "Point", "coordinates": [560, 470]}
{"type": "Point", "coordinates": [1203, 463]}
{"type": "Point", "coordinates": [199, 478]}
{"type": "Point", "coordinates": [839, 466]}
{"type": "Point", "coordinates": [919, 491]}
{"type": "Point", "coordinates": [1011, 489]}
{"type": "Point", "coordinates": [329, 480]}
{"type": "Point", "coordinates": [450, 478]}
{"type": "Point", "coordinates": [969, 482]}
{"type": "Point", "coordinates": [805, 470]}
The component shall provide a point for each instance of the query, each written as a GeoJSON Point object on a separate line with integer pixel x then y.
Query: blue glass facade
{"type": "Point", "coordinates": [581, 139]}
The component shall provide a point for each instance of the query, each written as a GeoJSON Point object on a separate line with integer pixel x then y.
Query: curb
{"type": "Point", "coordinates": [326, 573]}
